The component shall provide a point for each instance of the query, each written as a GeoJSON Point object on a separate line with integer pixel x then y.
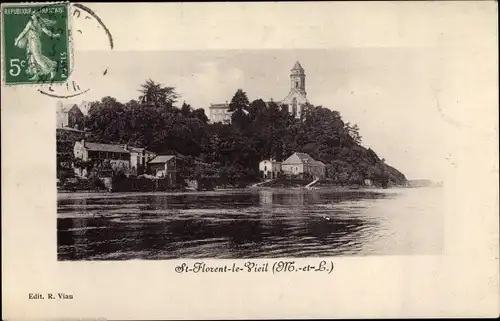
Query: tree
{"type": "Point", "coordinates": [230, 152]}
{"type": "Point", "coordinates": [239, 101]}
{"type": "Point", "coordinates": [200, 114]}
{"type": "Point", "coordinates": [155, 94]}
{"type": "Point", "coordinates": [107, 121]}
{"type": "Point", "coordinates": [186, 110]}
{"type": "Point", "coordinates": [353, 132]}
{"type": "Point", "coordinates": [239, 107]}
{"type": "Point", "coordinates": [257, 108]}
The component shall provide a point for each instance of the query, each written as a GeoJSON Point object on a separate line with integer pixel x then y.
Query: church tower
{"type": "Point", "coordinates": [298, 78]}
{"type": "Point", "coordinates": [296, 99]}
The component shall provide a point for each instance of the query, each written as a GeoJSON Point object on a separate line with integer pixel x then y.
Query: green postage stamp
{"type": "Point", "coordinates": [36, 48]}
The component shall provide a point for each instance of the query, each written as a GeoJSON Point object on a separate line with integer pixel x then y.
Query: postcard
{"type": "Point", "coordinates": [249, 160]}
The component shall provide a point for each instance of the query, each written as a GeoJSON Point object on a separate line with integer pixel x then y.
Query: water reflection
{"type": "Point", "coordinates": [248, 224]}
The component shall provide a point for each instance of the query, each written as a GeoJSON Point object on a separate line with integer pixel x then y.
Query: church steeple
{"type": "Point", "coordinates": [297, 67]}
{"type": "Point", "coordinates": [296, 99]}
{"type": "Point", "coordinates": [298, 78]}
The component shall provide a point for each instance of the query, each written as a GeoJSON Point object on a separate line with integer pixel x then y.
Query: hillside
{"type": "Point", "coordinates": [232, 152]}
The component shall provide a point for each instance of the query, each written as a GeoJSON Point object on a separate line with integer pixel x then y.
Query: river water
{"type": "Point", "coordinates": [255, 223]}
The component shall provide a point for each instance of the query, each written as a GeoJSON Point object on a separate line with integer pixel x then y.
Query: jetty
{"type": "Point", "coordinates": [262, 183]}
{"type": "Point", "coordinates": [310, 185]}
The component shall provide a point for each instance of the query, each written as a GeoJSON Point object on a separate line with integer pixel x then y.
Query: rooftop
{"type": "Point", "coordinates": [297, 66]}
{"type": "Point", "coordinates": [105, 147]}
{"type": "Point", "coordinates": [305, 158]}
{"type": "Point", "coordinates": [222, 106]}
{"type": "Point", "coordinates": [64, 108]}
{"type": "Point", "coordinates": [136, 149]}
{"type": "Point", "coordinates": [320, 163]}
{"type": "Point", "coordinates": [160, 159]}
{"type": "Point", "coordinates": [70, 129]}
{"type": "Point", "coordinates": [270, 160]}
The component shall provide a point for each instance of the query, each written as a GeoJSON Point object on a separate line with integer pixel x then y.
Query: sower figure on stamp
{"type": "Point", "coordinates": [29, 38]}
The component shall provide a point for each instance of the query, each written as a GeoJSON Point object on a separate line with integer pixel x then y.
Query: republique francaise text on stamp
{"type": "Point", "coordinates": [36, 46]}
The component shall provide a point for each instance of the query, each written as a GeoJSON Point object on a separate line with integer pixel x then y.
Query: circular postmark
{"type": "Point", "coordinates": [87, 30]}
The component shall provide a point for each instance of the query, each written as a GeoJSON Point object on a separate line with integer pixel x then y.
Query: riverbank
{"type": "Point", "coordinates": [277, 184]}
{"type": "Point", "coordinates": [86, 193]}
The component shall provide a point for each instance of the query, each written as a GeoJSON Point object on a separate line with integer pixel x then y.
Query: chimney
{"type": "Point", "coordinates": [126, 147]}
{"type": "Point", "coordinates": [83, 143]}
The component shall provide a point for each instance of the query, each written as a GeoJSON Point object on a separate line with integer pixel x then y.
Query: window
{"type": "Point", "coordinates": [294, 106]}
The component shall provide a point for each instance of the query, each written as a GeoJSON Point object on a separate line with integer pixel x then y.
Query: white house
{"type": "Point", "coordinates": [270, 168]}
{"type": "Point", "coordinates": [299, 164]}
{"type": "Point", "coordinates": [219, 113]}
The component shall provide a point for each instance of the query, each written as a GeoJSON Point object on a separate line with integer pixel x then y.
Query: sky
{"type": "Point", "coordinates": [407, 74]}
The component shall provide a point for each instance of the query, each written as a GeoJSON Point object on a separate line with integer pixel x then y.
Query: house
{"type": "Point", "coordinates": [139, 157]}
{"type": "Point", "coordinates": [117, 155]}
{"type": "Point", "coordinates": [164, 166]}
{"type": "Point", "coordinates": [270, 168]}
{"type": "Point", "coordinates": [301, 164]}
{"type": "Point", "coordinates": [219, 113]}
{"type": "Point", "coordinates": [69, 116]}
{"type": "Point", "coordinates": [128, 159]}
